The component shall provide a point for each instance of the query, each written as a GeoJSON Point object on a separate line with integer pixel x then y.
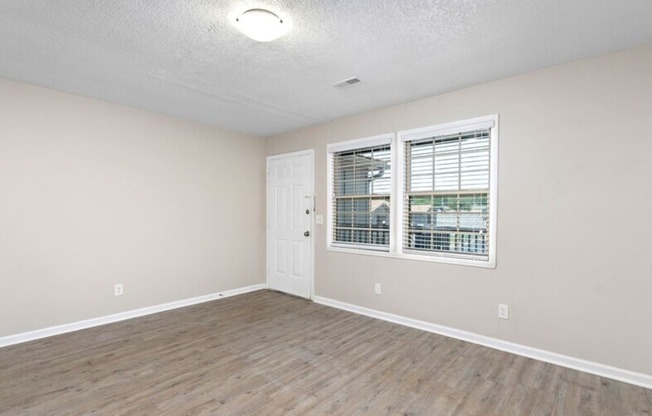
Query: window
{"type": "Point", "coordinates": [447, 194]}
{"type": "Point", "coordinates": [439, 204]}
{"type": "Point", "coordinates": [361, 182]}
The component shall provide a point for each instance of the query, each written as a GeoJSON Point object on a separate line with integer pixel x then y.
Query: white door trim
{"type": "Point", "coordinates": [311, 153]}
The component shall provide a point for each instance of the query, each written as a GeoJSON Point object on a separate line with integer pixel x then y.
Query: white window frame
{"type": "Point", "coordinates": [397, 195]}
{"type": "Point", "coordinates": [379, 140]}
{"type": "Point", "coordinates": [406, 136]}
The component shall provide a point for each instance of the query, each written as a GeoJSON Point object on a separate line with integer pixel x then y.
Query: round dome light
{"type": "Point", "coordinates": [261, 25]}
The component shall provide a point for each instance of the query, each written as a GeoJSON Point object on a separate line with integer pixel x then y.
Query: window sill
{"type": "Point", "coordinates": [485, 264]}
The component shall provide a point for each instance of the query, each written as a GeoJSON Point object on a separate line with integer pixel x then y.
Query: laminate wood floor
{"type": "Point", "coordinates": [266, 353]}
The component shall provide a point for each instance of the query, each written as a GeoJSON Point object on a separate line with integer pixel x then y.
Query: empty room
{"type": "Point", "coordinates": [316, 208]}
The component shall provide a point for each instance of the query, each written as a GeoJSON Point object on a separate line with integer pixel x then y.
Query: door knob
{"type": "Point", "coordinates": [307, 234]}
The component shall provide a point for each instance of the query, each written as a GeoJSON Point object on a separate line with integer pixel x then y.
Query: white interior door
{"type": "Point", "coordinates": [289, 223]}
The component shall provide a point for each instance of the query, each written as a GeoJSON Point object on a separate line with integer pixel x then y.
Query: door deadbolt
{"type": "Point", "coordinates": [307, 234]}
{"type": "Point", "coordinates": [308, 211]}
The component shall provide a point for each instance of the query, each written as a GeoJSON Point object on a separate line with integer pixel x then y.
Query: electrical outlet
{"type": "Point", "coordinates": [378, 289]}
{"type": "Point", "coordinates": [503, 311]}
{"type": "Point", "coordinates": [118, 289]}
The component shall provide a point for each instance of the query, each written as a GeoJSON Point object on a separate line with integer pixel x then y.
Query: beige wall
{"type": "Point", "coordinates": [93, 194]}
{"type": "Point", "coordinates": [574, 221]}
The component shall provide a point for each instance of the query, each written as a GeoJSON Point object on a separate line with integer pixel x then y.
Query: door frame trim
{"type": "Point", "coordinates": [307, 152]}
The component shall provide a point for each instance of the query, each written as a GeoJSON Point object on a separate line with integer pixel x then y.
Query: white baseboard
{"type": "Point", "coordinates": [103, 320]}
{"type": "Point", "coordinates": [631, 377]}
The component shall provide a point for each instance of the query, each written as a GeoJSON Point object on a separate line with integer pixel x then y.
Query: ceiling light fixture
{"type": "Point", "coordinates": [261, 25]}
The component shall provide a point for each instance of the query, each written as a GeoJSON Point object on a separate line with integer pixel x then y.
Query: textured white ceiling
{"type": "Point", "coordinates": [185, 58]}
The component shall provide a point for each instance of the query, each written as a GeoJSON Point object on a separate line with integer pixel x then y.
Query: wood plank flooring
{"type": "Point", "coordinates": [265, 353]}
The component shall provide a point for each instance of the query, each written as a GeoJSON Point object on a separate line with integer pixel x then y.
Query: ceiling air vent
{"type": "Point", "coordinates": [346, 82]}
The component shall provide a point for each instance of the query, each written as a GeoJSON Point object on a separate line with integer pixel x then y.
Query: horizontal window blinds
{"type": "Point", "coordinates": [361, 196]}
{"type": "Point", "coordinates": [446, 210]}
